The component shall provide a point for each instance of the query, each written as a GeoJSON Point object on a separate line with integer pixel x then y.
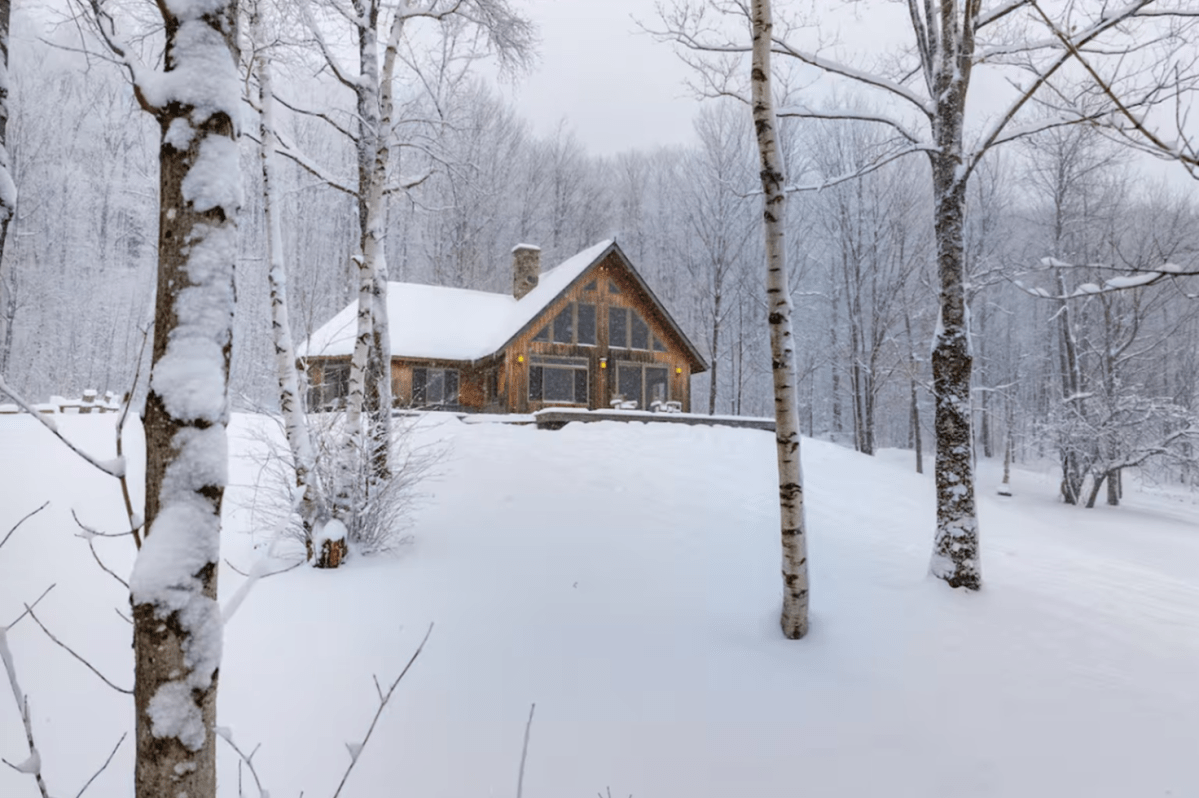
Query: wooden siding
{"type": "Point", "coordinates": [602, 381]}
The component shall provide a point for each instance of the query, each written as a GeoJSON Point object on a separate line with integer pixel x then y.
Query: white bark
{"type": "Point", "coordinates": [8, 192]}
{"type": "Point", "coordinates": [794, 620]}
{"type": "Point", "coordinates": [313, 506]}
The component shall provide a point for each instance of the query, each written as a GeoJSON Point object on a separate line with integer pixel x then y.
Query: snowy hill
{"type": "Point", "coordinates": [625, 578]}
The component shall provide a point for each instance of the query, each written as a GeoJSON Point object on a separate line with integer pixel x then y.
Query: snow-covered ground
{"type": "Point", "coordinates": [625, 578]}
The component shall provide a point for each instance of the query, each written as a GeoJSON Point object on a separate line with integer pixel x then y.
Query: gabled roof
{"type": "Point", "coordinates": [437, 323]}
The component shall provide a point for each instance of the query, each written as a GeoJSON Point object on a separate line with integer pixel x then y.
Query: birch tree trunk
{"type": "Point", "coordinates": [8, 188]}
{"type": "Point", "coordinates": [794, 620]}
{"type": "Point", "coordinates": [314, 508]}
{"type": "Point", "coordinates": [173, 587]}
{"type": "Point", "coordinates": [955, 555]}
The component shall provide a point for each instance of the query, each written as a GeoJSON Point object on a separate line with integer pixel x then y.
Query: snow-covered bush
{"type": "Point", "coordinates": [377, 511]}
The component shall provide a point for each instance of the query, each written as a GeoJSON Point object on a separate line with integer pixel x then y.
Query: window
{"type": "Point", "coordinates": [493, 385]}
{"type": "Point", "coordinates": [564, 332]}
{"type": "Point", "coordinates": [586, 326]}
{"type": "Point", "coordinates": [618, 327]}
{"type": "Point", "coordinates": [331, 385]}
{"type": "Point", "coordinates": [628, 383]}
{"type": "Point", "coordinates": [640, 331]}
{"type": "Point", "coordinates": [575, 324]}
{"type": "Point", "coordinates": [658, 345]}
{"type": "Point", "coordinates": [434, 387]}
{"type": "Point", "coordinates": [656, 385]}
{"type": "Point", "coordinates": [626, 329]}
{"type": "Point", "coordinates": [642, 383]}
{"type": "Point", "coordinates": [590, 286]}
{"type": "Point", "coordinates": [612, 288]}
{"type": "Point", "coordinates": [558, 379]}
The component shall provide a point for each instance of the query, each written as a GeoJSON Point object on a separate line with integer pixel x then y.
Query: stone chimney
{"type": "Point", "coordinates": [526, 267]}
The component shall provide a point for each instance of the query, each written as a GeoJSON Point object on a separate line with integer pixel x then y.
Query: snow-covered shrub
{"type": "Point", "coordinates": [378, 511]}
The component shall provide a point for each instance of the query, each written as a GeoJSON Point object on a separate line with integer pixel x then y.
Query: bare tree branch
{"type": "Point", "coordinates": [70, 651]}
{"type": "Point", "coordinates": [111, 754]}
{"type": "Point", "coordinates": [23, 520]}
{"type": "Point", "coordinates": [524, 754]}
{"type": "Point", "coordinates": [355, 753]}
{"type": "Point", "coordinates": [114, 468]}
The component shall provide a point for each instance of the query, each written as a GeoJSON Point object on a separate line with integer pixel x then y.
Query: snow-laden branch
{"type": "Point", "coordinates": [114, 468]}
{"type": "Point", "coordinates": [875, 165]}
{"type": "Point", "coordinates": [106, 28]}
{"type": "Point", "coordinates": [298, 157]}
{"type": "Point", "coordinates": [996, 14]}
{"type": "Point", "coordinates": [1122, 282]}
{"type": "Point", "coordinates": [802, 112]}
{"type": "Point", "coordinates": [32, 765]}
{"type": "Point", "coordinates": [860, 76]}
{"type": "Point", "coordinates": [1180, 152]}
{"type": "Point", "coordinates": [1070, 48]}
{"type": "Point", "coordinates": [351, 82]}
{"type": "Point", "coordinates": [321, 115]}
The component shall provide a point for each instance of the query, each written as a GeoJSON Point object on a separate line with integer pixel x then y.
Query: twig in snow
{"type": "Point", "coordinates": [227, 736]}
{"type": "Point", "coordinates": [111, 754]}
{"type": "Point", "coordinates": [70, 651]}
{"type": "Point", "coordinates": [356, 751]}
{"type": "Point", "coordinates": [524, 754]}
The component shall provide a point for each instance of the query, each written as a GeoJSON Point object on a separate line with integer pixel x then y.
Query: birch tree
{"type": "Point", "coordinates": [311, 498]}
{"type": "Point", "coordinates": [8, 194]}
{"type": "Point", "coordinates": [927, 95]}
{"type": "Point", "coordinates": [794, 618]}
{"type": "Point", "coordinates": [195, 100]}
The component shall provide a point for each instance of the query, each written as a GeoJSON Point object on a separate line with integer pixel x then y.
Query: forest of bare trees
{"type": "Point", "coordinates": [1099, 382]}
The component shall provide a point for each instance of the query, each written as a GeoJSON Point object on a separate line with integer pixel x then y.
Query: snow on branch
{"type": "Point", "coordinates": [32, 765]}
{"type": "Point", "coordinates": [866, 78]}
{"type": "Point", "coordinates": [1182, 152]}
{"type": "Point", "coordinates": [1122, 282]}
{"type": "Point", "coordinates": [114, 468]}
{"type": "Point", "coordinates": [803, 112]}
{"type": "Point", "coordinates": [854, 174]}
{"type": "Point", "coordinates": [1106, 22]}
{"type": "Point", "coordinates": [996, 14]}
{"type": "Point", "coordinates": [297, 156]}
{"type": "Point", "coordinates": [351, 82]}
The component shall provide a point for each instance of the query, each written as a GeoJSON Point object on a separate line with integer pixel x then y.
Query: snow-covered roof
{"type": "Point", "coordinates": [438, 323]}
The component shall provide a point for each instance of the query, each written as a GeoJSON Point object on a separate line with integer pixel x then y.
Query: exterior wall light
{"type": "Point", "coordinates": [603, 362]}
{"type": "Point", "coordinates": [520, 358]}
{"type": "Point", "coordinates": [678, 369]}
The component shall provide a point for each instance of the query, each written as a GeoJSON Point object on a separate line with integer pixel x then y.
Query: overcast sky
{"type": "Point", "coordinates": [614, 86]}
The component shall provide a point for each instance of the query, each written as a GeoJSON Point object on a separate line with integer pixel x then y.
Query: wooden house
{"type": "Point", "coordinates": [582, 334]}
